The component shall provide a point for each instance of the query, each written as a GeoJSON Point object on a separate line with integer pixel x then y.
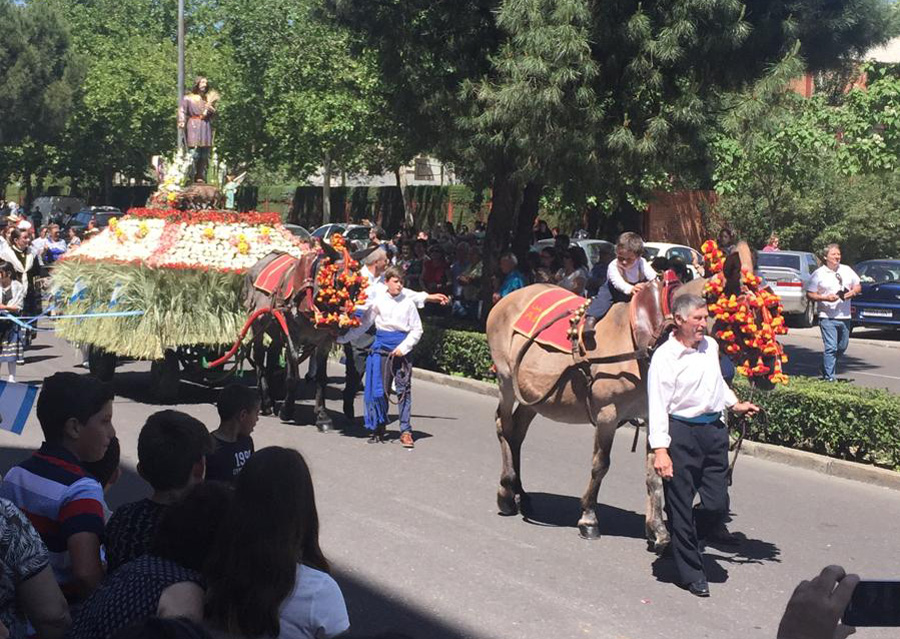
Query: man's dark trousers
{"type": "Point", "coordinates": [699, 455]}
{"type": "Point", "coordinates": [355, 354]}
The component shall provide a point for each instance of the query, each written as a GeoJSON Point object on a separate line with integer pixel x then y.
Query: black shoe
{"type": "Point", "coordinates": [698, 588]}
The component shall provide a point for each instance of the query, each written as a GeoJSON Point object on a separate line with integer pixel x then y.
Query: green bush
{"type": "Point", "coordinates": [454, 352]}
{"type": "Point", "coordinates": [834, 419]}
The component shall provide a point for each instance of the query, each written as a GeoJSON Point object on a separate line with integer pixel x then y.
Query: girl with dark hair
{"type": "Point", "coordinates": [267, 575]}
{"type": "Point", "coordinates": [12, 297]}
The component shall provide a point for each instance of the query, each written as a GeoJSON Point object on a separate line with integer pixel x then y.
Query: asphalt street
{"type": "Point", "coordinates": [417, 545]}
{"type": "Point", "coordinates": [871, 360]}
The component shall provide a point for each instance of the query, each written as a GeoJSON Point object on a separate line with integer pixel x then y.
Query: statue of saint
{"type": "Point", "coordinates": [195, 115]}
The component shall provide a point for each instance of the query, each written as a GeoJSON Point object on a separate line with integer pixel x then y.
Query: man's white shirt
{"type": "Point", "coordinates": [825, 281]}
{"type": "Point", "coordinates": [390, 313]}
{"type": "Point", "coordinates": [686, 382]}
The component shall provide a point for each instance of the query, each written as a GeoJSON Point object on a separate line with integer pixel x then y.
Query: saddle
{"type": "Point", "coordinates": [286, 278]}
{"type": "Point", "coordinates": [554, 318]}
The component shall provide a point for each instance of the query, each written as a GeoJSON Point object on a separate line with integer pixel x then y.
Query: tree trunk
{"type": "Point", "coordinates": [107, 184]}
{"type": "Point", "coordinates": [501, 221]}
{"type": "Point", "coordinates": [326, 189]}
{"type": "Point", "coordinates": [29, 190]}
{"type": "Point", "coordinates": [407, 209]}
{"type": "Point", "coordinates": [528, 211]}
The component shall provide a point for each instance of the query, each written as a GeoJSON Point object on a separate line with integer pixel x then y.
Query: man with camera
{"type": "Point", "coordinates": [831, 286]}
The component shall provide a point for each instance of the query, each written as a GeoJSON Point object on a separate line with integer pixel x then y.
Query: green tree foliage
{"type": "Point", "coordinates": [812, 172]}
{"type": "Point", "coordinates": [519, 84]}
{"type": "Point", "coordinates": [39, 78]}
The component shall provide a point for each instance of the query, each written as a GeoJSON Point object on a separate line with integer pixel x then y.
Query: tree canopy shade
{"type": "Point", "coordinates": [39, 79]}
{"type": "Point", "coordinates": [604, 98]}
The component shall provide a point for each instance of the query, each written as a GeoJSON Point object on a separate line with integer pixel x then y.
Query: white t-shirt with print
{"type": "Point", "coordinates": [825, 281]}
{"type": "Point", "coordinates": [315, 609]}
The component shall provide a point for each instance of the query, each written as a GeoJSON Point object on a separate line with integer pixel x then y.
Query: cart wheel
{"type": "Point", "coordinates": [166, 376]}
{"type": "Point", "coordinates": [101, 364]}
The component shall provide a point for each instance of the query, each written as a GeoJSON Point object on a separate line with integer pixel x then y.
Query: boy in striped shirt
{"type": "Point", "coordinates": [62, 501]}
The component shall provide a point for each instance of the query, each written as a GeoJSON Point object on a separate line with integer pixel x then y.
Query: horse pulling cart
{"type": "Point", "coordinates": [171, 286]}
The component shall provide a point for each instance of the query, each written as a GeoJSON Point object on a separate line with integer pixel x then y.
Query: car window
{"type": "Point", "coordinates": [779, 260]}
{"type": "Point", "coordinates": [358, 233]}
{"type": "Point", "coordinates": [84, 217]}
{"type": "Point", "coordinates": [878, 272]}
{"type": "Point", "coordinates": [682, 253]}
{"type": "Point", "coordinates": [650, 252]}
{"type": "Point", "coordinates": [812, 262]}
{"type": "Point", "coordinates": [321, 231]}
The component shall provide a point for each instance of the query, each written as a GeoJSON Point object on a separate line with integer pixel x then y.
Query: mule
{"type": "Point", "coordinates": [298, 338]}
{"type": "Point", "coordinates": [607, 393]}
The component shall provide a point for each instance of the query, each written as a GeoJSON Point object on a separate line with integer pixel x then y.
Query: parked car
{"type": "Point", "coordinates": [788, 273]}
{"type": "Point", "coordinates": [879, 302]}
{"type": "Point", "coordinates": [356, 234]}
{"type": "Point", "coordinates": [592, 248]}
{"type": "Point", "coordinates": [298, 231]}
{"type": "Point", "coordinates": [686, 254]}
{"type": "Point", "coordinates": [100, 214]}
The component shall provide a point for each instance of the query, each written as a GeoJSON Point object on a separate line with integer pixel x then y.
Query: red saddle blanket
{"type": "Point", "coordinates": [273, 275]}
{"type": "Point", "coordinates": [542, 309]}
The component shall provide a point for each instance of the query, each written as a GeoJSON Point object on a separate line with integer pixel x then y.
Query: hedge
{"type": "Point", "coordinates": [454, 352]}
{"type": "Point", "coordinates": [834, 419]}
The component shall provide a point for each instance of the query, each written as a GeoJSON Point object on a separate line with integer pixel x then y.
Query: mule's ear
{"type": "Point", "coordinates": [330, 252]}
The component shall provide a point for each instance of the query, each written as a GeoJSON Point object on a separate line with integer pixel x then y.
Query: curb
{"type": "Point", "coordinates": [854, 339]}
{"type": "Point", "coordinates": [453, 381]}
{"type": "Point", "coordinates": [769, 452]}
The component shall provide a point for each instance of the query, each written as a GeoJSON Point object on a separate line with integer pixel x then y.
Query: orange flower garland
{"type": "Point", "coordinates": [341, 290]}
{"type": "Point", "coordinates": [746, 325]}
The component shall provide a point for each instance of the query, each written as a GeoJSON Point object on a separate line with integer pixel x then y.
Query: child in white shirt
{"type": "Point", "coordinates": [398, 330]}
{"type": "Point", "coordinates": [625, 276]}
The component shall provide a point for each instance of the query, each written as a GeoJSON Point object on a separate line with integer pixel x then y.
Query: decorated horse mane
{"type": "Point", "coordinates": [747, 317]}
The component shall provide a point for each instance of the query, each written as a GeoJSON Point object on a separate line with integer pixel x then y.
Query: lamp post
{"type": "Point", "coordinates": [180, 141]}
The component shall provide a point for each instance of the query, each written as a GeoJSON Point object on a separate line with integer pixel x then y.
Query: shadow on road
{"type": "Point", "coordinates": [373, 612]}
{"type": "Point", "coordinates": [563, 511]}
{"type": "Point", "coordinates": [808, 361]}
{"type": "Point", "coordinates": [749, 551]}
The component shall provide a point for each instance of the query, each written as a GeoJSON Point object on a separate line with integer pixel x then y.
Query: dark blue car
{"type": "Point", "coordinates": [879, 303]}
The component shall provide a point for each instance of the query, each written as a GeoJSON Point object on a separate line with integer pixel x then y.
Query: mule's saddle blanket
{"type": "Point", "coordinates": [285, 275]}
{"type": "Point", "coordinates": [542, 309]}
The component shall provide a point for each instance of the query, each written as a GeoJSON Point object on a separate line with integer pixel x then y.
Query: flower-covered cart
{"type": "Point", "coordinates": [164, 285]}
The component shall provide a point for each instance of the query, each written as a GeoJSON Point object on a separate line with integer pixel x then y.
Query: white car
{"type": "Point", "coordinates": [685, 253]}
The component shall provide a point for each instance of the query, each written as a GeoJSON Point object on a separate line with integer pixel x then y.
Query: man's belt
{"type": "Point", "coordinates": [705, 418]}
{"type": "Point", "coordinates": [196, 117]}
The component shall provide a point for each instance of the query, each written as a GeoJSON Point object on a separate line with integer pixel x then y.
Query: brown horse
{"type": "Point", "coordinates": [606, 393]}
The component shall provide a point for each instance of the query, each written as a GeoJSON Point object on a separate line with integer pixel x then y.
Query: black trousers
{"type": "Point", "coordinates": [355, 354]}
{"type": "Point", "coordinates": [699, 455]}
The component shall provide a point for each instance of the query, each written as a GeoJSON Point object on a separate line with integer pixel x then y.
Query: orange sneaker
{"type": "Point", "coordinates": [406, 439]}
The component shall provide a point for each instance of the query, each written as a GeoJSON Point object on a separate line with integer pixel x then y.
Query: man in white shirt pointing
{"type": "Point", "coordinates": [690, 442]}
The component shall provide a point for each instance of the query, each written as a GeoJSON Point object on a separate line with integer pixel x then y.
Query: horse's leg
{"type": "Point", "coordinates": [323, 420]}
{"type": "Point", "coordinates": [262, 383]}
{"type": "Point", "coordinates": [605, 431]}
{"type": "Point", "coordinates": [506, 493]}
{"type": "Point", "coordinates": [657, 533]}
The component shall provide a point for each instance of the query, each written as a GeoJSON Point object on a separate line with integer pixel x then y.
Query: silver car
{"type": "Point", "coordinates": [788, 273]}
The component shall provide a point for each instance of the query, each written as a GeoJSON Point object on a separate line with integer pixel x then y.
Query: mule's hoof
{"type": "Point", "coordinates": [660, 546]}
{"type": "Point", "coordinates": [590, 532]}
{"type": "Point", "coordinates": [324, 423]}
{"type": "Point", "coordinates": [265, 411]}
{"type": "Point", "coordinates": [507, 506]}
{"type": "Point", "coordinates": [286, 415]}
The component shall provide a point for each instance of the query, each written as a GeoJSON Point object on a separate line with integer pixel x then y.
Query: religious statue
{"type": "Point", "coordinates": [195, 115]}
{"type": "Point", "coordinates": [232, 184]}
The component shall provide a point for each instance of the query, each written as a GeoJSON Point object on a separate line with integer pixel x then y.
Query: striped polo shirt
{"type": "Point", "coordinates": [60, 499]}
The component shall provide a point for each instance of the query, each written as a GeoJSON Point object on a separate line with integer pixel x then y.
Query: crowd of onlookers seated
{"type": "Point", "coordinates": [227, 543]}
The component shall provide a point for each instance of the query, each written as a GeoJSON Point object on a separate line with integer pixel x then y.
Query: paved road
{"type": "Point", "coordinates": [417, 545]}
{"type": "Point", "coordinates": [872, 359]}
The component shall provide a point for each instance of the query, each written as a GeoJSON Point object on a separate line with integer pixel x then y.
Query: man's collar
{"type": "Point", "coordinates": [680, 349]}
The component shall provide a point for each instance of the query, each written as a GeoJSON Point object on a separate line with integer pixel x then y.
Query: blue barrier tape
{"type": "Point", "coordinates": [19, 320]}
